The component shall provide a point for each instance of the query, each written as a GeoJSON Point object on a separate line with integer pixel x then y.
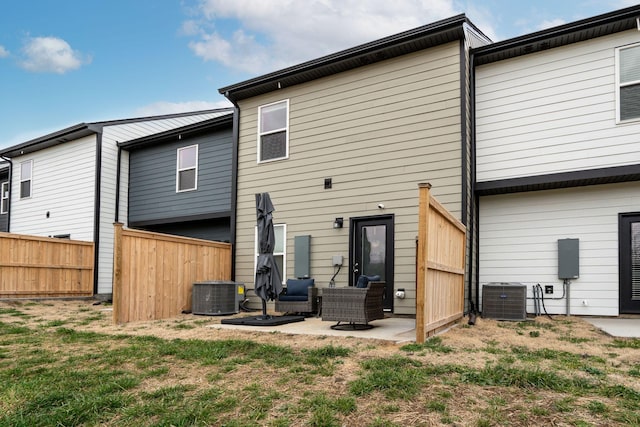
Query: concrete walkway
{"type": "Point", "coordinates": [616, 326]}
{"type": "Point", "coordinates": [396, 329]}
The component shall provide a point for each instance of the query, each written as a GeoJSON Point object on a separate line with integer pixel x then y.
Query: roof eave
{"type": "Point", "coordinates": [172, 134]}
{"type": "Point", "coordinates": [365, 54]}
{"type": "Point", "coordinates": [52, 139]}
{"type": "Point", "coordinates": [561, 35]}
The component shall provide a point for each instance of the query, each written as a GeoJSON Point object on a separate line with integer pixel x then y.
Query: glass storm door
{"type": "Point", "coordinates": [630, 263]}
{"type": "Point", "coordinates": [371, 252]}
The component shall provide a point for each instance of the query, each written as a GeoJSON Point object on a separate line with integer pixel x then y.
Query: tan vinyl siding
{"type": "Point", "coordinates": [377, 131]}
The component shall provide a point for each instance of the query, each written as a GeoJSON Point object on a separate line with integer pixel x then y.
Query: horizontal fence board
{"type": "Point", "coordinates": [440, 266]}
{"type": "Point", "coordinates": [154, 273]}
{"type": "Point", "coordinates": [33, 266]}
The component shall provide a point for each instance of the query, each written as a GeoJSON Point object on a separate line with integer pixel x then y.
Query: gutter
{"type": "Point", "coordinates": [8, 160]}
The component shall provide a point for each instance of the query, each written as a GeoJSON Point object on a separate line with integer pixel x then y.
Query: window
{"type": "Point", "coordinates": [187, 169]}
{"type": "Point", "coordinates": [628, 84]}
{"type": "Point", "coordinates": [279, 251]}
{"type": "Point", "coordinates": [4, 198]}
{"type": "Point", "coordinates": [273, 131]}
{"type": "Point", "coordinates": [26, 172]}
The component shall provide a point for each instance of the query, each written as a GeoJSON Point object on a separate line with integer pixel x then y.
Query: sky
{"type": "Point", "coordinates": [72, 61]}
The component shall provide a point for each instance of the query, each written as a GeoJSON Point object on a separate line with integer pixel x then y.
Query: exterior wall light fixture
{"type": "Point", "coordinates": [338, 223]}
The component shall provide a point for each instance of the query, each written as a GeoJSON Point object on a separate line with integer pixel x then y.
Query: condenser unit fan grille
{"type": "Point", "coordinates": [504, 301]}
{"type": "Point", "coordinates": [215, 298]}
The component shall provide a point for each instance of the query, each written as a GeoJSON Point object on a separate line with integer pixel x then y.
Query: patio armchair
{"type": "Point", "coordinates": [299, 296]}
{"type": "Point", "coordinates": [353, 306]}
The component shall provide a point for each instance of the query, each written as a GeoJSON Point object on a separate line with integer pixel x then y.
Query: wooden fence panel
{"type": "Point", "coordinates": [441, 261]}
{"type": "Point", "coordinates": [154, 273]}
{"type": "Point", "coordinates": [44, 267]}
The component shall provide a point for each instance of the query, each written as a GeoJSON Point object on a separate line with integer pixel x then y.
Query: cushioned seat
{"type": "Point", "coordinates": [299, 296]}
{"type": "Point", "coordinates": [355, 307]}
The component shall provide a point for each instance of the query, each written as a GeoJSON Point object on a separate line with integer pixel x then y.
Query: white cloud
{"type": "Point", "coordinates": [165, 107]}
{"type": "Point", "coordinates": [3, 52]}
{"type": "Point", "coordinates": [259, 36]}
{"type": "Point", "coordinates": [549, 23]}
{"type": "Point", "coordinates": [51, 55]}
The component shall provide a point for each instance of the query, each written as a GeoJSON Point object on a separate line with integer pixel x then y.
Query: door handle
{"type": "Point", "coordinates": [355, 268]}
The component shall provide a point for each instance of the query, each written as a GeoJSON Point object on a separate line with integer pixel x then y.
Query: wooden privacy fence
{"type": "Point", "coordinates": [441, 263]}
{"type": "Point", "coordinates": [44, 267]}
{"type": "Point", "coordinates": [153, 274]}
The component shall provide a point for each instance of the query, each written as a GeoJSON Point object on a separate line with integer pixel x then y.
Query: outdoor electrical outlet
{"type": "Point", "coordinates": [548, 289]}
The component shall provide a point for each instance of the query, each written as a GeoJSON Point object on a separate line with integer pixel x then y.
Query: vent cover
{"type": "Point", "coordinates": [504, 301]}
{"type": "Point", "coordinates": [216, 298]}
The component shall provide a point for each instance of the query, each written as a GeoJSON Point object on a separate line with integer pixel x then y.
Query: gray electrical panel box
{"type": "Point", "coordinates": [568, 258]}
{"type": "Point", "coordinates": [302, 256]}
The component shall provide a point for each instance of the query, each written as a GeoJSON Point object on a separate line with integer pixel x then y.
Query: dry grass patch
{"type": "Point", "coordinates": [65, 362]}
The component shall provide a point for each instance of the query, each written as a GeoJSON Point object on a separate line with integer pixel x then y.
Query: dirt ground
{"type": "Point", "coordinates": [471, 346]}
{"type": "Point", "coordinates": [571, 334]}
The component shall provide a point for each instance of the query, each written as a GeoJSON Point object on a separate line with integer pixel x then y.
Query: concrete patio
{"type": "Point", "coordinates": [396, 329]}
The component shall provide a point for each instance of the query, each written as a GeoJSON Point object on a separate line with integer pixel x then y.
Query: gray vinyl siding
{"type": "Point", "coordinates": [377, 131]}
{"type": "Point", "coordinates": [111, 136]}
{"type": "Point", "coordinates": [4, 218]}
{"type": "Point", "coordinates": [152, 180]}
{"type": "Point", "coordinates": [217, 229]}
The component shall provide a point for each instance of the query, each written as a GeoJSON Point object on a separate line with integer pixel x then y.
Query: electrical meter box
{"type": "Point", "coordinates": [568, 259]}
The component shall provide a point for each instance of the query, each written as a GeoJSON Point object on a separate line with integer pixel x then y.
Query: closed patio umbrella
{"type": "Point", "coordinates": [268, 283]}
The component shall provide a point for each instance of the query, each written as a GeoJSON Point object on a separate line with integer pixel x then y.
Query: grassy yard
{"type": "Point", "coordinates": [66, 365]}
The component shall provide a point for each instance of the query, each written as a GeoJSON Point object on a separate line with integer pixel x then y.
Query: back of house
{"type": "Point", "coordinates": [73, 183]}
{"type": "Point", "coordinates": [341, 142]}
{"type": "Point", "coordinates": [558, 164]}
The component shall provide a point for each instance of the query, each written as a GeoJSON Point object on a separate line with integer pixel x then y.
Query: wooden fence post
{"type": "Point", "coordinates": [117, 271]}
{"type": "Point", "coordinates": [421, 288]}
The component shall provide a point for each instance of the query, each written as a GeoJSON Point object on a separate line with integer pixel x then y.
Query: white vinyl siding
{"type": "Point", "coordinates": [519, 234]}
{"type": "Point", "coordinates": [4, 197]}
{"type": "Point", "coordinates": [273, 131]}
{"type": "Point", "coordinates": [279, 250]}
{"type": "Point", "coordinates": [26, 179]}
{"type": "Point", "coordinates": [552, 111]}
{"type": "Point", "coordinates": [377, 131]}
{"type": "Point", "coordinates": [187, 168]}
{"type": "Point", "coordinates": [65, 177]}
{"type": "Point", "coordinates": [628, 82]}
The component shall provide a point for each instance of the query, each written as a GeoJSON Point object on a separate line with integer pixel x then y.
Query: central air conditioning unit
{"type": "Point", "coordinates": [504, 301]}
{"type": "Point", "coordinates": [216, 298]}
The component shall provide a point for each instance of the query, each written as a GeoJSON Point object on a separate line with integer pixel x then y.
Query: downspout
{"type": "Point", "coordinates": [467, 170]}
{"type": "Point", "coordinates": [463, 129]}
{"type": "Point", "coordinates": [118, 165]}
{"type": "Point", "coordinates": [8, 160]}
{"type": "Point", "coordinates": [96, 211]}
{"type": "Point", "coordinates": [234, 182]}
{"type": "Point", "coordinates": [474, 198]}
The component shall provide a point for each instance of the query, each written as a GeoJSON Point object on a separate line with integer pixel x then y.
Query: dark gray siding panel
{"type": "Point", "coordinates": [218, 229]}
{"type": "Point", "coordinates": [4, 218]}
{"type": "Point", "coordinates": [152, 179]}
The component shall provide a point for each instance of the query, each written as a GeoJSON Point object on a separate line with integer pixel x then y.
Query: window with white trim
{"type": "Point", "coordinates": [273, 131]}
{"type": "Point", "coordinates": [26, 174]}
{"type": "Point", "coordinates": [279, 250]}
{"type": "Point", "coordinates": [628, 82]}
{"type": "Point", "coordinates": [4, 198]}
{"type": "Point", "coordinates": [187, 169]}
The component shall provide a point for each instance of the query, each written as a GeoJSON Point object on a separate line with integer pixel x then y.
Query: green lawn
{"type": "Point", "coordinates": [54, 373]}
